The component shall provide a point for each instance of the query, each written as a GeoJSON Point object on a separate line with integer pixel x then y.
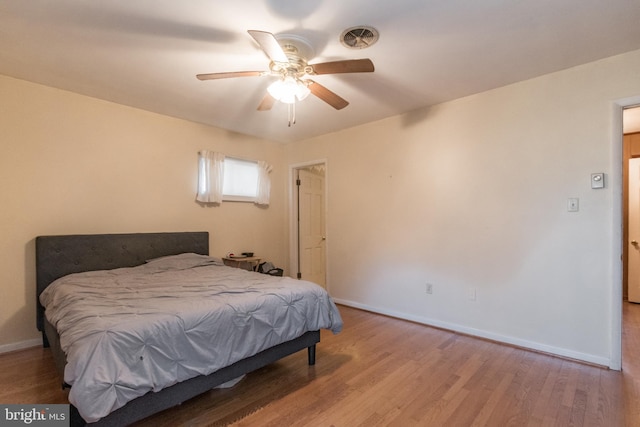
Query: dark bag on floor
{"type": "Point", "coordinates": [270, 269]}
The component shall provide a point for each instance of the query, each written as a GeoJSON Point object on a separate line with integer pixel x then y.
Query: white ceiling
{"type": "Point", "coordinates": [146, 53]}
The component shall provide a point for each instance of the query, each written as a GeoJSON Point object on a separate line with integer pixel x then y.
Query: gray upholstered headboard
{"type": "Point", "coordinates": [57, 256]}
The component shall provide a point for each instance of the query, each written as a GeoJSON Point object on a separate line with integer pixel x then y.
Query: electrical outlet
{"type": "Point", "coordinates": [429, 288]}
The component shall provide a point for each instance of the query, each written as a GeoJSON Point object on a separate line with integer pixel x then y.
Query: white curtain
{"type": "Point", "coordinates": [210, 176]}
{"type": "Point", "coordinates": [264, 183]}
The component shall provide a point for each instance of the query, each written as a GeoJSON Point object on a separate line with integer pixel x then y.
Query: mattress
{"type": "Point", "coordinates": [130, 331]}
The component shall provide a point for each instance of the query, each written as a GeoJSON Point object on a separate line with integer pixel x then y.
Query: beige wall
{"type": "Point", "coordinates": [471, 196]}
{"type": "Point", "coordinates": [73, 164]}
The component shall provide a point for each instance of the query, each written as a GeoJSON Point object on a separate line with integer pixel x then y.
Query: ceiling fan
{"type": "Point", "coordinates": [289, 55]}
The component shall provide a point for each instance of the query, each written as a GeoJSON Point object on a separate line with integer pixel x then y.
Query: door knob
{"type": "Point", "coordinates": [634, 242]}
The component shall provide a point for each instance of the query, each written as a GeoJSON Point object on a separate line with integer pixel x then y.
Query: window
{"type": "Point", "coordinates": [240, 180]}
{"type": "Point", "coordinates": [227, 178]}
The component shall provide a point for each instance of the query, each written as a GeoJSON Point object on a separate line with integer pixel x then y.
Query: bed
{"type": "Point", "coordinates": [80, 272]}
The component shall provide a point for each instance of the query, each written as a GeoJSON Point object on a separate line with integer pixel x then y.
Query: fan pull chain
{"type": "Point", "coordinates": [292, 113]}
{"type": "Point", "coordinates": [293, 108]}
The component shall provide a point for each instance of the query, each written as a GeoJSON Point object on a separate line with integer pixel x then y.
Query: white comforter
{"type": "Point", "coordinates": [131, 330]}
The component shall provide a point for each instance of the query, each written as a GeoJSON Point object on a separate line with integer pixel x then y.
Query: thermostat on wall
{"type": "Point", "coordinates": [597, 180]}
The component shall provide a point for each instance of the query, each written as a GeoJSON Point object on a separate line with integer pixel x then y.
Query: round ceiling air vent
{"type": "Point", "coordinates": [359, 37]}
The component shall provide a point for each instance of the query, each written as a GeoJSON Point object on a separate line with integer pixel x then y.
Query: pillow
{"type": "Point", "coordinates": [183, 261]}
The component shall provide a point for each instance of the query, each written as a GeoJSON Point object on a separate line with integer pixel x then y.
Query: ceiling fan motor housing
{"type": "Point", "coordinates": [298, 50]}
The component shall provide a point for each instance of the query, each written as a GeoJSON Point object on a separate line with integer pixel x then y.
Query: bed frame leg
{"type": "Point", "coordinates": [45, 340]}
{"type": "Point", "coordinates": [312, 355]}
{"type": "Point", "coordinates": [76, 420]}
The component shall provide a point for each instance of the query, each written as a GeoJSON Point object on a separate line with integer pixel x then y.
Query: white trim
{"type": "Point", "coordinates": [6, 348]}
{"type": "Point", "coordinates": [615, 179]}
{"type": "Point", "coordinates": [563, 352]}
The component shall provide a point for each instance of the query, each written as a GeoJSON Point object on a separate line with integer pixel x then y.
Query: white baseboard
{"type": "Point", "coordinates": [558, 351]}
{"type": "Point", "coordinates": [6, 348]}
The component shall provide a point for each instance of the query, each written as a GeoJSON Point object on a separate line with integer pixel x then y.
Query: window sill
{"type": "Point", "coordinates": [245, 199]}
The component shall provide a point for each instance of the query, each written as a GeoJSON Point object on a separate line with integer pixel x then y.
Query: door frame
{"type": "Point", "coordinates": [293, 229]}
{"type": "Point", "coordinates": [617, 240]}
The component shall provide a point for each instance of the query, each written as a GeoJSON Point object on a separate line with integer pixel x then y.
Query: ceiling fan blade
{"type": "Point", "coordinates": [346, 66]}
{"type": "Point", "coordinates": [266, 103]}
{"type": "Point", "coordinates": [327, 96]}
{"type": "Point", "coordinates": [269, 44]}
{"type": "Point", "coordinates": [214, 76]}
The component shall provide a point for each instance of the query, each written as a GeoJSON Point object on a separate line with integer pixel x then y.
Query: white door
{"type": "Point", "coordinates": [311, 225]}
{"type": "Point", "coordinates": [633, 252]}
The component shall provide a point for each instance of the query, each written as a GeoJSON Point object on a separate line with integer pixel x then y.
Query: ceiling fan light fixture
{"type": "Point", "coordinates": [288, 90]}
{"type": "Point", "coordinates": [302, 91]}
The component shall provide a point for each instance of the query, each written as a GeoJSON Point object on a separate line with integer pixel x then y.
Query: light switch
{"type": "Point", "coordinates": [597, 180]}
{"type": "Point", "coordinates": [573, 204]}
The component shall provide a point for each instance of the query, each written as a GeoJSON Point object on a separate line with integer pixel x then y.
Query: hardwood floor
{"type": "Point", "coordinates": [381, 371]}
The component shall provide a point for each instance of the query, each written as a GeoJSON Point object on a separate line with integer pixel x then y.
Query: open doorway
{"type": "Point", "coordinates": [308, 222]}
{"type": "Point", "coordinates": [631, 203]}
{"type": "Point", "coordinates": [631, 239]}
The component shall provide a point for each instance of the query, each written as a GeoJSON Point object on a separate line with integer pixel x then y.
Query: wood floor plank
{"type": "Point", "coordinates": [382, 371]}
{"type": "Point", "coordinates": [541, 413]}
{"type": "Point", "coordinates": [494, 400]}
